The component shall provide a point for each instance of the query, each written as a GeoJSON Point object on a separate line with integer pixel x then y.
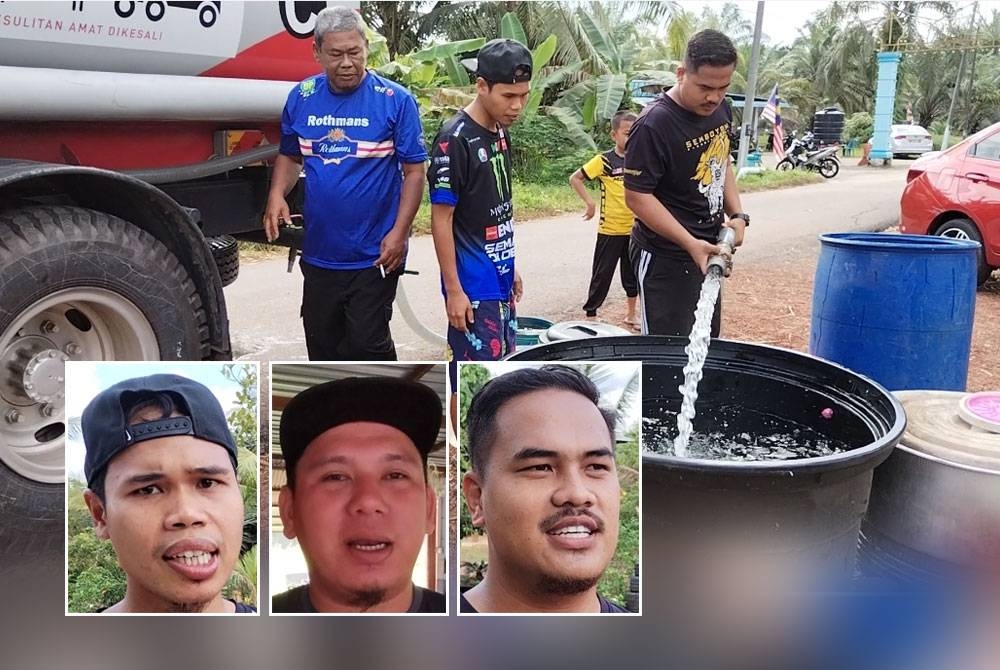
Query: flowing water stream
{"type": "Point", "coordinates": [697, 351]}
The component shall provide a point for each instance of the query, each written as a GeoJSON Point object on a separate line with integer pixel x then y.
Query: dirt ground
{"type": "Point", "coordinates": [772, 305]}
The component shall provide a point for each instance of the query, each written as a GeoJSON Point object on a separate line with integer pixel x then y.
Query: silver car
{"type": "Point", "coordinates": [907, 140]}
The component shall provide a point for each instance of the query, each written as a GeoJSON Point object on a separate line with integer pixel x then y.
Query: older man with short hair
{"type": "Point", "coordinates": [359, 139]}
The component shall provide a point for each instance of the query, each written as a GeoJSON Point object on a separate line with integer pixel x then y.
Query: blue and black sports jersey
{"type": "Point", "coordinates": [470, 170]}
{"type": "Point", "coordinates": [352, 145]}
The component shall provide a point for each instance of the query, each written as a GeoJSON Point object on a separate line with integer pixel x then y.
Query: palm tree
{"type": "Point", "coordinates": [242, 584]}
{"type": "Point", "coordinates": [896, 22]}
{"type": "Point", "coordinates": [928, 79]}
{"type": "Point", "coordinates": [729, 20]}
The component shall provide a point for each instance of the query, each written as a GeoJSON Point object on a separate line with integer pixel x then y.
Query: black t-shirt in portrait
{"type": "Point", "coordinates": [681, 158]}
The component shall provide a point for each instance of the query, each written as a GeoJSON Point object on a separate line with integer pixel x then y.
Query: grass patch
{"type": "Point", "coordinates": [773, 179]}
{"type": "Point", "coordinates": [251, 252]}
{"type": "Point", "coordinates": [531, 201]}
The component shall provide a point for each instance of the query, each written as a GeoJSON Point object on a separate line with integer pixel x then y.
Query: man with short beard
{"type": "Point", "coordinates": [162, 487]}
{"type": "Point", "coordinates": [544, 486]}
{"type": "Point", "coordinates": [357, 498]}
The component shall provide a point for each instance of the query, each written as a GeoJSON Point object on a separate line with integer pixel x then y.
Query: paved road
{"type": "Point", "coordinates": [554, 257]}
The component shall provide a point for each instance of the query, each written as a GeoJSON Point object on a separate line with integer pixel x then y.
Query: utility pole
{"type": "Point", "coordinates": [958, 84]}
{"type": "Point", "coordinates": [750, 95]}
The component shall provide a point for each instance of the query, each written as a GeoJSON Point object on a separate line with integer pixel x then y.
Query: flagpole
{"type": "Point", "coordinates": [750, 95]}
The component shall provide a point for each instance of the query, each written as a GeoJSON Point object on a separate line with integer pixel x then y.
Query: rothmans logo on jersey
{"type": "Point", "coordinates": [330, 120]}
{"type": "Point", "coordinates": [336, 146]}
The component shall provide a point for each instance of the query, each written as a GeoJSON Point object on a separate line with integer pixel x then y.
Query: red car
{"type": "Point", "coordinates": [956, 193]}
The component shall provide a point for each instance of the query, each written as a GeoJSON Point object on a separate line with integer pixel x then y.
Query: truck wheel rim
{"type": "Point", "coordinates": [82, 324]}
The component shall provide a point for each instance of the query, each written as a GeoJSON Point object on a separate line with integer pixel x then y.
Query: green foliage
{"type": "Point", "coordinates": [615, 580]}
{"type": "Point", "coordinates": [243, 420]}
{"type": "Point", "coordinates": [95, 579]}
{"type": "Point", "coordinates": [78, 518]}
{"type": "Point", "coordinates": [472, 379]}
{"type": "Point", "coordinates": [859, 126]}
{"type": "Point", "coordinates": [545, 151]}
{"type": "Point", "coordinates": [511, 28]}
{"type": "Point", "coordinates": [242, 584]}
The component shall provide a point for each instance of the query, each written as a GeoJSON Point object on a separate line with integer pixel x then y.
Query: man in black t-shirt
{"type": "Point", "coordinates": [357, 498]}
{"type": "Point", "coordinates": [681, 186]}
{"type": "Point", "coordinates": [544, 485]}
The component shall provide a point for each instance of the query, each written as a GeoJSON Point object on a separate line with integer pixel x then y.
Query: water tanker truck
{"type": "Point", "coordinates": [134, 144]}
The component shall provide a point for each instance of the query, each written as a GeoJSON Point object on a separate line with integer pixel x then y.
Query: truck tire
{"type": "Point", "coordinates": [226, 253]}
{"type": "Point", "coordinates": [75, 284]}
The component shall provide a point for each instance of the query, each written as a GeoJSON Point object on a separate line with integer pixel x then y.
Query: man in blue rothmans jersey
{"type": "Point", "coordinates": [359, 139]}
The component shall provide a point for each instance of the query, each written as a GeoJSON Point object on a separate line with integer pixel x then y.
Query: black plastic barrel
{"type": "Point", "coordinates": [897, 308]}
{"type": "Point", "coordinates": [828, 125]}
{"type": "Point", "coordinates": [802, 516]}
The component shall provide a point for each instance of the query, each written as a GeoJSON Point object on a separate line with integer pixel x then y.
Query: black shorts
{"type": "Point", "coordinates": [668, 293]}
{"type": "Point", "coordinates": [346, 313]}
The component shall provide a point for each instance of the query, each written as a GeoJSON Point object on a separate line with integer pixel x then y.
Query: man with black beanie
{"type": "Point", "coordinates": [357, 498]}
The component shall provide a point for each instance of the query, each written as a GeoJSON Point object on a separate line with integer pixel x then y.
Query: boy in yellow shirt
{"type": "Point", "coordinates": [615, 225]}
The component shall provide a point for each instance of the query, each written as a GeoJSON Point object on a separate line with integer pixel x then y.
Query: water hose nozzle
{"type": "Point", "coordinates": [723, 261]}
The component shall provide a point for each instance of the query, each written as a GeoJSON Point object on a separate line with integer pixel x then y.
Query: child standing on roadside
{"type": "Point", "coordinates": [615, 223]}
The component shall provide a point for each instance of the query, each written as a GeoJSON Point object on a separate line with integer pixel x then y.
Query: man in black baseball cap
{"type": "Point", "coordinates": [162, 487]}
{"type": "Point", "coordinates": [357, 498]}
{"type": "Point", "coordinates": [501, 61]}
{"type": "Point", "coordinates": [472, 211]}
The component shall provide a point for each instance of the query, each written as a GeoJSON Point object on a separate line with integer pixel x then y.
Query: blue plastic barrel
{"type": "Point", "coordinates": [896, 308]}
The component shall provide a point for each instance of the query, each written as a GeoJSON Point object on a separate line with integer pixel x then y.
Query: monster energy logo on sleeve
{"type": "Point", "coordinates": [498, 162]}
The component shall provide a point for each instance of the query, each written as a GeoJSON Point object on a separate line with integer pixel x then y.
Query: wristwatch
{"type": "Point", "coordinates": [740, 215]}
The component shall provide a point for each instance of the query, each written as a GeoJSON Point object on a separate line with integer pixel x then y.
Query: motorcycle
{"type": "Point", "coordinates": [799, 155]}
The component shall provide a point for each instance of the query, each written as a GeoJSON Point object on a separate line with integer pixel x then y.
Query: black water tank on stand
{"type": "Point", "coordinates": [828, 125]}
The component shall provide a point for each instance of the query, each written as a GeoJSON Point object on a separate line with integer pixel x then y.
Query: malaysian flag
{"type": "Point", "coordinates": [772, 113]}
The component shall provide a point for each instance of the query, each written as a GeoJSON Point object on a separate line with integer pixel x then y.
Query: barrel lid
{"type": "Point", "coordinates": [578, 330]}
{"type": "Point", "coordinates": [936, 426]}
{"type": "Point", "coordinates": [982, 410]}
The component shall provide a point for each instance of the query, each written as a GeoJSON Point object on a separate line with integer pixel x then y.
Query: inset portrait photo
{"type": "Point", "coordinates": [162, 487]}
{"type": "Point", "coordinates": [358, 489]}
{"type": "Point", "coordinates": [550, 488]}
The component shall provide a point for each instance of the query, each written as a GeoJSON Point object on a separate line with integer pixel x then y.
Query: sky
{"type": "Point", "coordinates": [84, 380]}
{"type": "Point", "coordinates": [784, 18]}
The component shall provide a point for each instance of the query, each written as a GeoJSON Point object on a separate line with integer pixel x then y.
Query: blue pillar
{"type": "Point", "coordinates": [885, 100]}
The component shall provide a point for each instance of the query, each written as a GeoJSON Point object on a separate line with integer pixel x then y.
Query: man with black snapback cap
{"type": "Point", "coordinates": [357, 497]}
{"type": "Point", "coordinates": [472, 217]}
{"type": "Point", "coordinates": [162, 486]}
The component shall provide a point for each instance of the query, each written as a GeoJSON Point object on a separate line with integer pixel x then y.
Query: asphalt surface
{"type": "Point", "coordinates": [554, 257]}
